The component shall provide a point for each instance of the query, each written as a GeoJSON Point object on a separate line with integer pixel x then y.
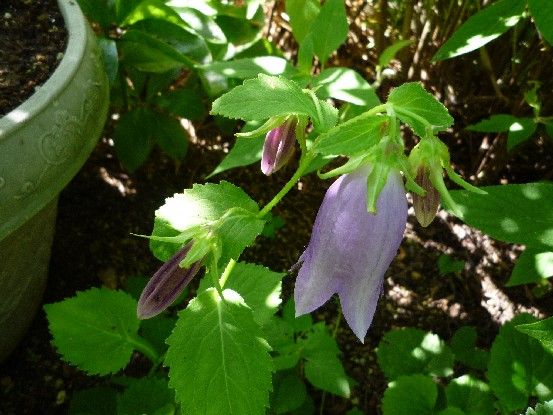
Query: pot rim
{"type": "Point", "coordinates": [75, 24]}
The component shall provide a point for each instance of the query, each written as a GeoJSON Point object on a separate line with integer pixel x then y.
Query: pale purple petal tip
{"type": "Point", "coordinates": [166, 285]}
{"type": "Point", "coordinates": [351, 249]}
{"type": "Point", "coordinates": [279, 147]}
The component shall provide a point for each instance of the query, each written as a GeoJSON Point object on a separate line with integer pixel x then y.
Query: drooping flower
{"type": "Point", "coordinates": [351, 249]}
{"type": "Point", "coordinates": [279, 146]}
{"type": "Point", "coordinates": [166, 284]}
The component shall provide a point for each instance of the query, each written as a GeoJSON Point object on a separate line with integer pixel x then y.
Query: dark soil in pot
{"type": "Point", "coordinates": [32, 41]}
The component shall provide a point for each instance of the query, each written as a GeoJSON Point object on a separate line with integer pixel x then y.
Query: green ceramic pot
{"type": "Point", "coordinates": [43, 144]}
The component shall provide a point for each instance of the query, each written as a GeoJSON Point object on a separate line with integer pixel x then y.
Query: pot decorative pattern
{"type": "Point", "coordinates": [43, 144]}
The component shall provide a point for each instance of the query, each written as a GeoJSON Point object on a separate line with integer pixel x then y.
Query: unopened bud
{"type": "Point", "coordinates": [280, 144]}
{"type": "Point", "coordinates": [426, 206]}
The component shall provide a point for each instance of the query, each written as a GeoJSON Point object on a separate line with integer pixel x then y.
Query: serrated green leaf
{"type": "Point", "coordinates": [542, 13]}
{"type": "Point", "coordinates": [409, 351]}
{"type": "Point", "coordinates": [451, 410]}
{"type": "Point", "coordinates": [410, 395]}
{"type": "Point", "coordinates": [346, 85]}
{"type": "Point", "coordinates": [463, 345]}
{"type": "Point", "coordinates": [251, 67]}
{"type": "Point", "coordinates": [481, 28]}
{"type": "Point", "coordinates": [146, 396]}
{"type": "Point", "coordinates": [532, 266]}
{"type": "Point", "coordinates": [302, 14]}
{"type": "Point", "coordinates": [470, 395]}
{"type": "Point", "coordinates": [352, 137]}
{"type": "Point", "coordinates": [94, 329]}
{"type": "Point", "coordinates": [540, 330]}
{"type": "Point", "coordinates": [413, 98]}
{"type": "Point", "coordinates": [268, 96]}
{"type": "Point", "coordinates": [218, 362]}
{"type": "Point", "coordinates": [330, 29]}
{"type": "Point", "coordinates": [390, 52]}
{"type": "Point", "coordinates": [519, 366]}
{"type": "Point", "coordinates": [290, 393]}
{"type": "Point", "coordinates": [514, 213]}
{"type": "Point", "coordinates": [545, 408]}
{"type": "Point", "coordinates": [204, 205]}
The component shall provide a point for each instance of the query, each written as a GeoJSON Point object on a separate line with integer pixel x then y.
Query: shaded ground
{"type": "Point", "coordinates": [103, 205]}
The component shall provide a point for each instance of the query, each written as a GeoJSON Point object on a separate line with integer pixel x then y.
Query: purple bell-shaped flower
{"type": "Point", "coordinates": [351, 249]}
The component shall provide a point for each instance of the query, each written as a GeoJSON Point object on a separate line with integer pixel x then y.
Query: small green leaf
{"type": "Point", "coordinates": [463, 345]}
{"type": "Point", "coordinates": [540, 330]}
{"type": "Point", "coordinates": [352, 137]}
{"type": "Point", "coordinates": [409, 351]}
{"type": "Point", "coordinates": [533, 266]}
{"type": "Point", "coordinates": [99, 11]}
{"type": "Point", "coordinates": [146, 396]}
{"type": "Point", "coordinates": [94, 330]}
{"type": "Point", "coordinates": [470, 395]}
{"type": "Point", "coordinates": [448, 265]}
{"type": "Point", "coordinates": [495, 124]}
{"type": "Point", "coordinates": [245, 151]}
{"type": "Point", "coordinates": [390, 52]}
{"type": "Point", "coordinates": [514, 213]}
{"type": "Point", "coordinates": [519, 366]}
{"type": "Point", "coordinates": [482, 27]}
{"type": "Point", "coordinates": [170, 136]}
{"type": "Point", "coordinates": [408, 395]}
{"type": "Point", "coordinates": [346, 85]}
{"type": "Point", "coordinates": [202, 24]}
{"type": "Point", "coordinates": [330, 29]}
{"type": "Point", "coordinates": [268, 96]}
{"type": "Point", "coordinates": [542, 13]}
{"type": "Point", "coordinates": [290, 393]}
{"type": "Point", "coordinates": [185, 103]}
{"type": "Point", "coordinates": [217, 342]}
{"type": "Point", "coordinates": [520, 131]}
{"type": "Point", "coordinates": [414, 99]}
{"type": "Point", "coordinates": [302, 14]}
{"type": "Point", "coordinates": [133, 137]}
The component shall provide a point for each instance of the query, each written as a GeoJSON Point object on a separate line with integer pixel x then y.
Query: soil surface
{"type": "Point", "coordinates": [104, 204]}
{"type": "Point", "coordinates": [32, 41]}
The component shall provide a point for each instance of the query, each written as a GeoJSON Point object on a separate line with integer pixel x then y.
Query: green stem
{"type": "Point", "coordinates": [227, 272]}
{"type": "Point", "coordinates": [144, 347]}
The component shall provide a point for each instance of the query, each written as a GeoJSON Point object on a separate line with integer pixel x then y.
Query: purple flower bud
{"type": "Point", "coordinates": [426, 206]}
{"type": "Point", "coordinates": [166, 285]}
{"type": "Point", "coordinates": [351, 249]}
{"type": "Point", "coordinates": [279, 146]}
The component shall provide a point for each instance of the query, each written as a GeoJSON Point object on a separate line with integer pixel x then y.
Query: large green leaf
{"type": "Point", "coordinates": [185, 103]}
{"type": "Point", "coordinates": [540, 330]}
{"type": "Point", "coordinates": [203, 205]}
{"type": "Point", "coordinates": [133, 137]}
{"type": "Point", "coordinates": [302, 14]}
{"type": "Point", "coordinates": [290, 393]}
{"type": "Point", "coordinates": [482, 27]}
{"type": "Point", "coordinates": [519, 367]}
{"type": "Point", "coordinates": [346, 85]}
{"type": "Point", "coordinates": [329, 29]}
{"type": "Point", "coordinates": [251, 67]}
{"type": "Point", "coordinates": [410, 395]}
{"type": "Point", "coordinates": [95, 329]}
{"type": "Point", "coordinates": [470, 395]}
{"type": "Point", "coordinates": [520, 129]}
{"type": "Point", "coordinates": [532, 266]}
{"type": "Point", "coordinates": [352, 137]}
{"type": "Point", "coordinates": [170, 136]}
{"type": "Point", "coordinates": [268, 96]}
{"type": "Point", "coordinates": [542, 13]}
{"type": "Point", "coordinates": [463, 345]}
{"type": "Point", "coordinates": [218, 363]}
{"type": "Point", "coordinates": [411, 98]}
{"type": "Point", "coordinates": [410, 351]}
{"type": "Point", "coordinates": [515, 213]}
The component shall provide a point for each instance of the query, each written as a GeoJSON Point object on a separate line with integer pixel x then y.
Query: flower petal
{"type": "Point", "coordinates": [279, 147]}
{"type": "Point", "coordinates": [351, 249]}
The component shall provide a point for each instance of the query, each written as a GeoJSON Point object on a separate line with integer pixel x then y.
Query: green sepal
{"type": "Point", "coordinates": [267, 126]}
{"type": "Point", "coordinates": [437, 180]}
{"type": "Point", "coordinates": [459, 180]}
{"type": "Point", "coordinates": [375, 183]}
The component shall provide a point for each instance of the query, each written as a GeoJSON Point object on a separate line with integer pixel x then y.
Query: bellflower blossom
{"type": "Point", "coordinates": [279, 147]}
{"type": "Point", "coordinates": [351, 249]}
{"type": "Point", "coordinates": [166, 284]}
